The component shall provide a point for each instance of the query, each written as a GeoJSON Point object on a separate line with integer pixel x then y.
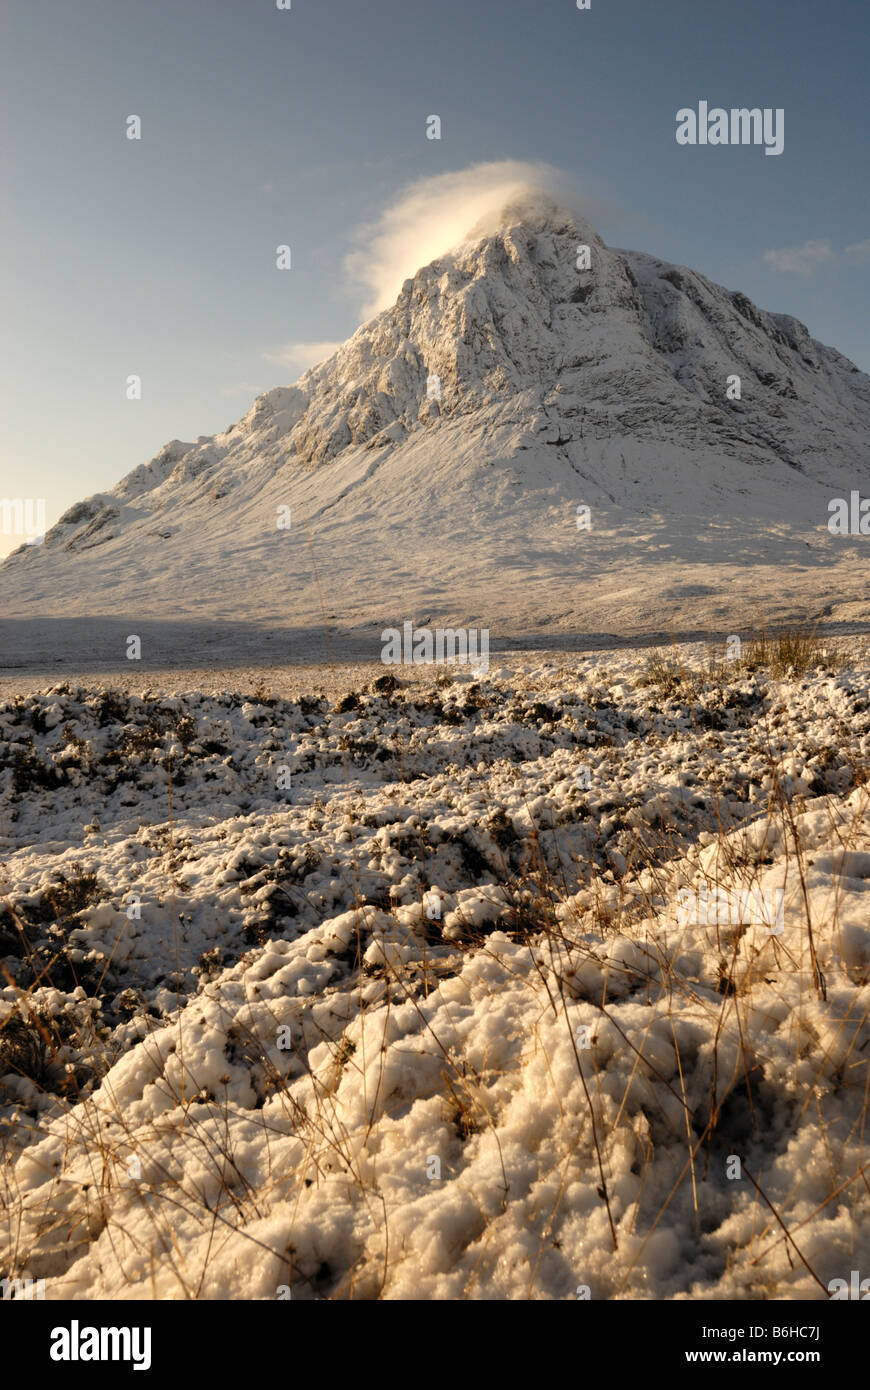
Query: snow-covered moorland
{"type": "Point", "coordinates": [452, 988]}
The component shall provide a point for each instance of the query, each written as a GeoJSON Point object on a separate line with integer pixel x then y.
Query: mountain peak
{"type": "Point", "coordinates": [537, 211]}
{"type": "Point", "coordinates": [532, 356]}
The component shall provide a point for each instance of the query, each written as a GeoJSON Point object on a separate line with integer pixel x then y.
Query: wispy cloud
{"type": "Point", "coordinates": [300, 356]}
{"type": "Point", "coordinates": [244, 388]}
{"type": "Point", "coordinates": [802, 260]}
{"type": "Point", "coordinates": [433, 215]}
{"type": "Point", "coordinates": [859, 250]}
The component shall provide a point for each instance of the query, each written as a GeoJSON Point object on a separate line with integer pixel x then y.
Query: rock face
{"type": "Point", "coordinates": [439, 457]}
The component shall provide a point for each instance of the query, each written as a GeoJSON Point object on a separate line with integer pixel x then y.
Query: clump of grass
{"type": "Point", "coordinates": [46, 1048]}
{"type": "Point", "coordinates": [790, 652]}
{"type": "Point", "coordinates": [25, 1049]}
{"type": "Point", "coordinates": [71, 893]}
{"type": "Point", "coordinates": [30, 773]}
{"type": "Point", "coordinates": [668, 674]}
{"type": "Point", "coordinates": [385, 685]}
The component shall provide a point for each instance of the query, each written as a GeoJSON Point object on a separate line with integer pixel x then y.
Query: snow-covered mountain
{"type": "Point", "coordinates": [559, 386]}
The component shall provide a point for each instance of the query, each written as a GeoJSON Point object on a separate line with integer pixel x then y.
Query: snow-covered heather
{"type": "Point", "coordinates": [431, 1022]}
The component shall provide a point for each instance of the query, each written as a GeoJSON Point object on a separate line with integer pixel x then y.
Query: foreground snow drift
{"type": "Point", "coordinates": [484, 1003]}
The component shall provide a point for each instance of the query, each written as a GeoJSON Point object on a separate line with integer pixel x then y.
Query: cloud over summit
{"type": "Point", "coordinates": [433, 215]}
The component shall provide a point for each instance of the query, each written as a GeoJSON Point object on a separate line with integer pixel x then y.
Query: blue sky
{"type": "Point", "coordinates": [261, 127]}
